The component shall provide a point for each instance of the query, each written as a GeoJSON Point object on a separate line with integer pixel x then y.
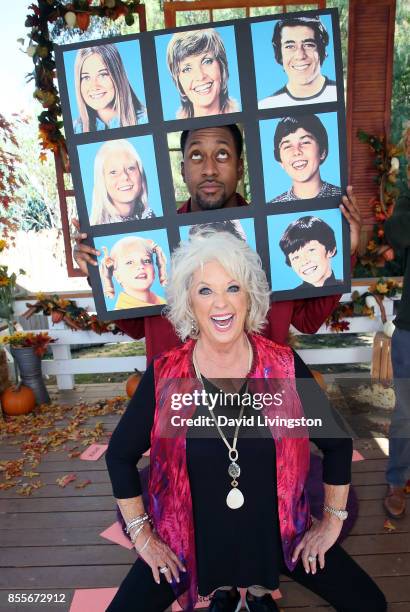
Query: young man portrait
{"type": "Point", "coordinates": [301, 146]}
{"type": "Point", "coordinates": [299, 45]}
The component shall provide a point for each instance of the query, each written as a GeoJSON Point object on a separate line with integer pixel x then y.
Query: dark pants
{"type": "Point", "coordinates": [342, 583]}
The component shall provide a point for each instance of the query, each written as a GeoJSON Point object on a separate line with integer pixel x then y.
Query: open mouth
{"type": "Point", "coordinates": [309, 271]}
{"type": "Point", "coordinates": [300, 67]}
{"type": "Point", "coordinates": [125, 188]}
{"type": "Point", "coordinates": [141, 276]}
{"type": "Point", "coordinates": [222, 322]}
{"type": "Point", "coordinates": [204, 89]}
{"type": "Point", "coordinates": [300, 164]}
{"type": "Point", "coordinates": [97, 95]}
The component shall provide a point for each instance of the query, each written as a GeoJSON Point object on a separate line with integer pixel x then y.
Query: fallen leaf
{"type": "Point", "coordinates": [388, 526]}
{"type": "Point", "coordinates": [63, 481]}
{"type": "Point", "coordinates": [83, 484]}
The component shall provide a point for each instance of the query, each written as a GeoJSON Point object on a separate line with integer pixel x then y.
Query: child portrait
{"type": "Point", "coordinates": [105, 86]}
{"type": "Point", "coordinates": [306, 249]}
{"type": "Point", "coordinates": [198, 73]}
{"type": "Point", "coordinates": [133, 269]}
{"type": "Point", "coordinates": [240, 228]}
{"type": "Point", "coordinates": [124, 183]}
{"type": "Point", "coordinates": [294, 61]}
{"type": "Point", "coordinates": [300, 156]}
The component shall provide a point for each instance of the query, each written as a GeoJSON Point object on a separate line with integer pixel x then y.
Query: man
{"type": "Point", "coordinates": [299, 44]}
{"type": "Point", "coordinates": [309, 245]}
{"type": "Point", "coordinates": [301, 145]}
{"type": "Point", "coordinates": [211, 168]}
{"type": "Point", "coordinates": [397, 230]}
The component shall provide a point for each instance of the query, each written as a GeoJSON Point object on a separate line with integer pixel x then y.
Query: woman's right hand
{"type": "Point", "coordinates": [83, 253]}
{"type": "Point", "coordinates": [157, 554]}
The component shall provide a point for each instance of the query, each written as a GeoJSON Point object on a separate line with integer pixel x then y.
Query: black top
{"type": "Point", "coordinates": [397, 229]}
{"type": "Point", "coordinates": [241, 546]}
{"type": "Point", "coordinates": [329, 282]}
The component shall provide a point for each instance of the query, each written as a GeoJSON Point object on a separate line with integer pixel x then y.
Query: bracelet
{"type": "Point", "coordinates": [134, 536]}
{"type": "Point", "coordinates": [137, 521]}
{"type": "Point", "coordinates": [145, 545]}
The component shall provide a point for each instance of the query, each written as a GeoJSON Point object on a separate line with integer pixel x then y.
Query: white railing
{"type": "Point", "coordinates": [64, 367]}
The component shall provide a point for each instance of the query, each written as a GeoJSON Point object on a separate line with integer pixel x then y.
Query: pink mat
{"type": "Point", "coordinates": [94, 452]}
{"type": "Point", "coordinates": [115, 534]}
{"type": "Point", "coordinates": [92, 600]}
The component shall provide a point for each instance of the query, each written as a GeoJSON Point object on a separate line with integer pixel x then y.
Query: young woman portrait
{"type": "Point", "coordinates": [105, 98]}
{"type": "Point", "coordinates": [120, 191]}
{"type": "Point", "coordinates": [197, 61]}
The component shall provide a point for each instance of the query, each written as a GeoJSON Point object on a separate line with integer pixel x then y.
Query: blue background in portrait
{"type": "Point", "coordinates": [247, 226]}
{"type": "Point", "coordinates": [171, 101]}
{"type": "Point", "coordinates": [270, 75]}
{"type": "Point", "coordinates": [131, 58]}
{"type": "Point", "coordinates": [276, 180]}
{"type": "Point", "coordinates": [144, 147]}
{"type": "Point", "coordinates": [282, 275]}
{"type": "Point", "coordinates": [159, 236]}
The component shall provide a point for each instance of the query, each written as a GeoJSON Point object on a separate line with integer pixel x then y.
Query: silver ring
{"type": "Point", "coordinates": [164, 569]}
{"type": "Point", "coordinates": [311, 559]}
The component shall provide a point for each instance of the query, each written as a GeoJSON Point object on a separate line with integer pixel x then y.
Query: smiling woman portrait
{"type": "Point", "coordinates": [120, 186]}
{"type": "Point", "coordinates": [104, 95]}
{"type": "Point", "coordinates": [199, 67]}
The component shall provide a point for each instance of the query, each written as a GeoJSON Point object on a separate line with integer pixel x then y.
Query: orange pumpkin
{"type": "Point", "coordinates": [18, 400]}
{"type": "Point", "coordinates": [132, 383]}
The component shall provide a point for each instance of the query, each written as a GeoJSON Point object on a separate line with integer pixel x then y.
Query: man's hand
{"type": "Point", "coordinates": [351, 211]}
{"type": "Point", "coordinates": [83, 253]}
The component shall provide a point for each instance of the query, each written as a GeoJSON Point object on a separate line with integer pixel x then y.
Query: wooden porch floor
{"type": "Point", "coordinates": [50, 542]}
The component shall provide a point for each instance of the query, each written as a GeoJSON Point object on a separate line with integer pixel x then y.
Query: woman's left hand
{"type": "Point", "coordinates": [317, 541]}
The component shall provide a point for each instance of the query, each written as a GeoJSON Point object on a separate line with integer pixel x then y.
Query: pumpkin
{"type": "Point", "coordinates": [18, 400]}
{"type": "Point", "coordinates": [132, 383]}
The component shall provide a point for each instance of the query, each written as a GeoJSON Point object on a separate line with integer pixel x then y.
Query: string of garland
{"type": "Point", "coordinates": [362, 305]}
{"type": "Point", "coordinates": [378, 251]}
{"type": "Point", "coordinates": [76, 14]}
{"type": "Point", "coordinates": [75, 317]}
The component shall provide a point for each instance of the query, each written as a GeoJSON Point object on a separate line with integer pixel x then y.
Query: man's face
{"type": "Point", "coordinates": [312, 263]}
{"type": "Point", "coordinates": [300, 155]}
{"type": "Point", "coordinates": [300, 56]}
{"type": "Point", "coordinates": [211, 168]}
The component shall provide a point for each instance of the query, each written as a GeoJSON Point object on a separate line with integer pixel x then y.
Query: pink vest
{"type": "Point", "coordinates": [169, 488]}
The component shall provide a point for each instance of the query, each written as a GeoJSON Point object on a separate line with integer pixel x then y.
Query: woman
{"type": "Point", "coordinates": [131, 262]}
{"type": "Point", "coordinates": [120, 190]}
{"type": "Point", "coordinates": [199, 67]}
{"type": "Point", "coordinates": [219, 518]}
{"type": "Point", "coordinates": [105, 98]}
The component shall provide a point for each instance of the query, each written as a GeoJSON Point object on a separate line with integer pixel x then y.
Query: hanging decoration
{"type": "Point", "coordinates": [378, 251]}
{"type": "Point", "coordinates": [76, 14]}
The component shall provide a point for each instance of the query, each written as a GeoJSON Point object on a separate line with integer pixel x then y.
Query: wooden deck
{"type": "Point", "coordinates": [50, 542]}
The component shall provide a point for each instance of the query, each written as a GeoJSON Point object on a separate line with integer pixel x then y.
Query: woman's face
{"type": "Point", "coordinates": [200, 79]}
{"type": "Point", "coordinates": [96, 85]}
{"type": "Point", "coordinates": [219, 303]}
{"type": "Point", "coordinates": [134, 267]}
{"type": "Point", "coordinates": [122, 177]}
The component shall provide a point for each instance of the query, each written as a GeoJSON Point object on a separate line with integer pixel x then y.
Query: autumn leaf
{"type": "Point", "coordinates": [63, 481]}
{"type": "Point", "coordinates": [82, 485]}
{"type": "Point", "coordinates": [28, 487]}
{"type": "Point", "coordinates": [388, 526]}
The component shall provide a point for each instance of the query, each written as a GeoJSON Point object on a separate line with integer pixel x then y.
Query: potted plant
{"type": "Point", "coordinates": [27, 349]}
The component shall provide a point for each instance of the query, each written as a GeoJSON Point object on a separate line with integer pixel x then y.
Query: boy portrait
{"type": "Point", "coordinates": [133, 269]}
{"type": "Point", "coordinates": [297, 53]}
{"type": "Point", "coordinates": [297, 157]}
{"type": "Point", "coordinates": [306, 250]}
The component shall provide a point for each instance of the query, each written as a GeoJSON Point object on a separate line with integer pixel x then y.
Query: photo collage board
{"type": "Point", "coordinates": [280, 80]}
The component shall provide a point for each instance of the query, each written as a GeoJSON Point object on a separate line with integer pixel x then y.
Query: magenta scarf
{"type": "Point", "coordinates": [169, 489]}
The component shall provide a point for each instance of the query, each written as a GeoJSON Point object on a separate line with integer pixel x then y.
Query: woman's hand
{"type": "Point", "coordinates": [317, 541]}
{"type": "Point", "coordinates": [106, 273]}
{"type": "Point", "coordinates": [158, 555]}
{"type": "Point", "coordinates": [83, 253]}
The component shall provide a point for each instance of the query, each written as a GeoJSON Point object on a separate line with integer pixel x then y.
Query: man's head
{"type": "Point", "coordinates": [309, 245]}
{"type": "Point", "coordinates": [300, 146]}
{"type": "Point", "coordinates": [212, 166]}
{"type": "Point", "coordinates": [300, 45]}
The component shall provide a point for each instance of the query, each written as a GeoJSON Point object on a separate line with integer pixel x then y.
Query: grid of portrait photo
{"type": "Point", "coordinates": [269, 92]}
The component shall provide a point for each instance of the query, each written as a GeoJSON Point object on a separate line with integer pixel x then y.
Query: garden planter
{"type": "Point", "coordinates": [4, 371]}
{"type": "Point", "coordinates": [29, 365]}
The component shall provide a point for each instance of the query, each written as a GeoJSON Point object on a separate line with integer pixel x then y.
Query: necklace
{"type": "Point", "coordinates": [235, 498]}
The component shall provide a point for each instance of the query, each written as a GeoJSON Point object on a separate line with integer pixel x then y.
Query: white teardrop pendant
{"type": "Point", "coordinates": [235, 499]}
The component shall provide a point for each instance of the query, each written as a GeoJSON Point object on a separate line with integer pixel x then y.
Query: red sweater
{"type": "Point", "coordinates": [306, 315]}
